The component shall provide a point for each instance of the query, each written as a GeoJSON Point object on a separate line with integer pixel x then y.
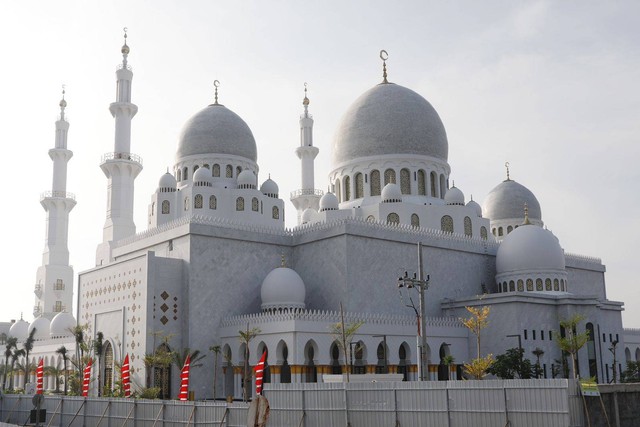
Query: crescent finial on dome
{"type": "Point", "coordinates": [216, 84]}
{"type": "Point", "coordinates": [384, 56]}
{"type": "Point", "coordinates": [526, 214]}
{"type": "Point", "coordinates": [506, 165]}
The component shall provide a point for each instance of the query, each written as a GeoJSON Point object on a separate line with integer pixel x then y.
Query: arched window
{"type": "Point", "coordinates": [520, 285]}
{"type": "Point", "coordinates": [393, 218]}
{"type": "Point", "coordinates": [556, 285]}
{"type": "Point", "coordinates": [338, 193]}
{"type": "Point", "coordinates": [443, 186]}
{"type": "Point", "coordinates": [539, 285]}
{"type": "Point", "coordinates": [195, 168]}
{"type": "Point", "coordinates": [216, 170]}
{"type": "Point", "coordinates": [240, 204]}
{"type": "Point", "coordinates": [422, 183]}
{"type": "Point", "coordinates": [359, 186]}
{"type": "Point", "coordinates": [512, 286]}
{"type": "Point", "coordinates": [229, 173]}
{"type": "Point", "coordinates": [197, 201]}
{"type": "Point", "coordinates": [347, 188]}
{"type": "Point", "coordinates": [254, 204]}
{"type": "Point", "coordinates": [179, 175]}
{"type": "Point", "coordinates": [500, 232]}
{"type": "Point", "coordinates": [562, 285]}
{"type": "Point", "coordinates": [375, 182]}
{"type": "Point", "coordinates": [434, 183]}
{"type": "Point", "coordinates": [213, 202]}
{"type": "Point", "coordinates": [405, 181]}
{"type": "Point", "coordinates": [166, 205]}
{"type": "Point", "coordinates": [446, 224]}
{"type": "Point", "coordinates": [389, 176]}
{"type": "Point", "coordinates": [547, 284]}
{"type": "Point", "coordinates": [238, 170]}
{"type": "Point", "coordinates": [493, 231]}
{"type": "Point", "coordinates": [509, 229]}
{"type": "Point", "coordinates": [415, 220]}
{"type": "Point", "coordinates": [275, 213]}
{"type": "Point", "coordinates": [185, 174]}
{"type": "Point", "coordinates": [186, 203]}
{"type": "Point", "coordinates": [468, 228]}
{"type": "Point", "coordinates": [529, 284]}
{"type": "Point", "coordinates": [483, 232]}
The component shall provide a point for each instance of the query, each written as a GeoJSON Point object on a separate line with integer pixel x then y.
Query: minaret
{"type": "Point", "coordinates": [307, 196]}
{"type": "Point", "coordinates": [121, 167]}
{"type": "Point", "coordinates": [54, 278]}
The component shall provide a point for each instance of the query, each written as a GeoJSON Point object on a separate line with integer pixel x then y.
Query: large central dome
{"type": "Point", "coordinates": [390, 119]}
{"type": "Point", "coordinates": [216, 130]}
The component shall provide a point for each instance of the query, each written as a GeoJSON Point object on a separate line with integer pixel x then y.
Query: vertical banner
{"type": "Point", "coordinates": [86, 379]}
{"type": "Point", "coordinates": [40, 377]}
{"type": "Point", "coordinates": [259, 369]}
{"type": "Point", "coordinates": [124, 376]}
{"type": "Point", "coordinates": [184, 380]}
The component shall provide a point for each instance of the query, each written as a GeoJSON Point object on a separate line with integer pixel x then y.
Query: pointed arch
{"type": "Point", "coordinates": [375, 183]}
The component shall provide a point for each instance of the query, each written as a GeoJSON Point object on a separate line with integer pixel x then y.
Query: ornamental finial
{"type": "Point", "coordinates": [63, 103]}
{"type": "Point", "coordinates": [282, 262]}
{"type": "Point", "coordinates": [125, 48]}
{"type": "Point", "coordinates": [384, 56]}
{"type": "Point", "coordinates": [305, 101]}
{"type": "Point", "coordinates": [506, 165]}
{"type": "Point", "coordinates": [526, 214]}
{"type": "Point", "coordinates": [216, 84]}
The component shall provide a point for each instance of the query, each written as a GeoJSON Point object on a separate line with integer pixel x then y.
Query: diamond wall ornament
{"type": "Point", "coordinates": [164, 320]}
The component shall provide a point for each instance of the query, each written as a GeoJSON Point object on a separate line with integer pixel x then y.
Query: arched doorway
{"type": "Point", "coordinates": [403, 362]}
{"type": "Point", "coordinates": [311, 369]}
{"type": "Point", "coordinates": [161, 368]}
{"type": "Point", "coordinates": [336, 367]}
{"type": "Point", "coordinates": [285, 369]}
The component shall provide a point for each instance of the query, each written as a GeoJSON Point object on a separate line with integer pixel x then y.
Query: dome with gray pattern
{"type": "Point", "coordinates": [216, 130]}
{"type": "Point", "coordinates": [507, 201]}
{"type": "Point", "coordinates": [389, 119]}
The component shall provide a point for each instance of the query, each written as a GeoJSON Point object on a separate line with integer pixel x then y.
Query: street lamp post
{"type": "Point", "coordinates": [422, 284]}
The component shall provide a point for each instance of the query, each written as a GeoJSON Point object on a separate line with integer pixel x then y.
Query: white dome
{"type": "Point", "coordinates": [475, 206]}
{"type": "Point", "coordinates": [530, 248]}
{"type": "Point", "coordinates": [19, 330]}
{"type": "Point", "coordinates": [507, 200]}
{"type": "Point", "coordinates": [247, 178]}
{"type": "Point", "coordinates": [328, 202]}
{"type": "Point", "coordinates": [270, 188]}
{"type": "Point", "coordinates": [216, 130]}
{"type": "Point", "coordinates": [62, 325]}
{"type": "Point", "coordinates": [42, 327]}
{"type": "Point", "coordinates": [389, 119]}
{"type": "Point", "coordinates": [283, 288]}
{"type": "Point", "coordinates": [454, 196]}
{"type": "Point", "coordinates": [202, 176]}
{"type": "Point", "coordinates": [167, 181]}
{"type": "Point", "coordinates": [391, 193]}
{"type": "Point", "coordinates": [308, 215]}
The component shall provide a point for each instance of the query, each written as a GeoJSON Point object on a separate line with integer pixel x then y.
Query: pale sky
{"type": "Point", "coordinates": [551, 87]}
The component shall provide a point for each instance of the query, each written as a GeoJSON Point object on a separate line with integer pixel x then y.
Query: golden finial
{"type": "Point", "coordinates": [125, 48]}
{"type": "Point", "coordinates": [282, 263]}
{"type": "Point", "coordinates": [526, 214]}
{"type": "Point", "coordinates": [384, 56]}
{"type": "Point", "coordinates": [63, 103]}
{"type": "Point", "coordinates": [506, 165]}
{"type": "Point", "coordinates": [216, 84]}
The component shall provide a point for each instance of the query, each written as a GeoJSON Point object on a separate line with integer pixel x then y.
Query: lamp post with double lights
{"type": "Point", "coordinates": [422, 284]}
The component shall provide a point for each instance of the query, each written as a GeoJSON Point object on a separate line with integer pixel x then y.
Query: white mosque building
{"type": "Point", "coordinates": [216, 257]}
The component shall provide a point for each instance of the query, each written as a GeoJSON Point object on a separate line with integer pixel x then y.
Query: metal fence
{"type": "Point", "coordinates": [527, 403]}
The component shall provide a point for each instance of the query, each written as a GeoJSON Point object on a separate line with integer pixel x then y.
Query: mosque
{"type": "Point", "coordinates": [216, 257]}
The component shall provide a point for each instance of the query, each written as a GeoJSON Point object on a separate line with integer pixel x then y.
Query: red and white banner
{"type": "Point", "coordinates": [86, 379]}
{"type": "Point", "coordinates": [40, 377]}
{"type": "Point", "coordinates": [259, 369]}
{"type": "Point", "coordinates": [124, 376]}
{"type": "Point", "coordinates": [184, 380]}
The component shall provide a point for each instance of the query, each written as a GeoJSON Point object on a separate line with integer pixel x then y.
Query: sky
{"type": "Point", "coordinates": [550, 87]}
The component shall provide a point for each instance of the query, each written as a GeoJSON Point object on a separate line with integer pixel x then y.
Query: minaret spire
{"type": "Point", "coordinates": [54, 278]}
{"type": "Point", "coordinates": [121, 167]}
{"type": "Point", "coordinates": [307, 196]}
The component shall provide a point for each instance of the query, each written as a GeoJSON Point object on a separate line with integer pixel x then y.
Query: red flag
{"type": "Point", "coordinates": [259, 369]}
{"type": "Point", "coordinates": [124, 376]}
{"type": "Point", "coordinates": [86, 379]}
{"type": "Point", "coordinates": [40, 377]}
{"type": "Point", "coordinates": [184, 380]}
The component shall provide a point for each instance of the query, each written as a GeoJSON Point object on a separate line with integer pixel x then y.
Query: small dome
{"type": "Point", "coordinates": [507, 200]}
{"type": "Point", "coordinates": [529, 248]}
{"type": "Point", "coordinates": [269, 188]}
{"type": "Point", "coordinates": [308, 215]}
{"type": "Point", "coordinates": [475, 206]}
{"type": "Point", "coordinates": [247, 178]}
{"type": "Point", "coordinates": [167, 181]}
{"type": "Point", "coordinates": [283, 288]}
{"type": "Point", "coordinates": [389, 119]}
{"type": "Point", "coordinates": [19, 330]}
{"type": "Point", "coordinates": [328, 202]}
{"type": "Point", "coordinates": [62, 325]}
{"type": "Point", "coordinates": [391, 193]}
{"type": "Point", "coordinates": [42, 327]}
{"type": "Point", "coordinates": [216, 130]}
{"type": "Point", "coordinates": [202, 176]}
{"type": "Point", "coordinates": [454, 196]}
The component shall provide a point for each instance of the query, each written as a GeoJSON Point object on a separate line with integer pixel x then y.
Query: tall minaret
{"type": "Point", "coordinates": [54, 278]}
{"type": "Point", "coordinates": [307, 196]}
{"type": "Point", "coordinates": [120, 167]}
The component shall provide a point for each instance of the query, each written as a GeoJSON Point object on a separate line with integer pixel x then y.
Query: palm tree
{"type": "Point", "coordinates": [216, 351]}
{"type": "Point", "coordinates": [56, 372]}
{"type": "Point", "coordinates": [12, 342]}
{"type": "Point", "coordinates": [28, 346]}
{"type": "Point", "coordinates": [245, 338]}
{"type": "Point", "coordinates": [538, 352]}
{"type": "Point", "coordinates": [15, 355]}
{"type": "Point", "coordinates": [179, 357]}
{"type": "Point", "coordinates": [63, 352]}
{"type": "Point", "coordinates": [98, 350]}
